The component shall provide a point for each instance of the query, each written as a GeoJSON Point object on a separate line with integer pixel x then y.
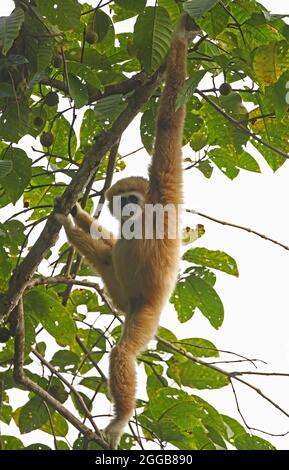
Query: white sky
{"type": "Point", "coordinates": [257, 303]}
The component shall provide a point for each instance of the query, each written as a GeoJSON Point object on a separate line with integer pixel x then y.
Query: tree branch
{"type": "Point", "coordinates": [240, 227]}
{"type": "Point", "coordinates": [21, 378]}
{"type": "Point", "coordinates": [121, 88]}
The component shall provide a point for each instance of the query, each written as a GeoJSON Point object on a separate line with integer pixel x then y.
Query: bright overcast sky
{"type": "Point", "coordinates": [257, 303]}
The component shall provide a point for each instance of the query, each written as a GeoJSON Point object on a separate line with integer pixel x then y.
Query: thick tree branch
{"type": "Point", "coordinates": [69, 386]}
{"type": "Point", "coordinates": [121, 88]}
{"type": "Point", "coordinates": [21, 378]}
{"type": "Point", "coordinates": [105, 140]}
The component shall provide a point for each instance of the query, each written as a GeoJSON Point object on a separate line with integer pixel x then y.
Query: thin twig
{"type": "Point", "coordinates": [240, 227]}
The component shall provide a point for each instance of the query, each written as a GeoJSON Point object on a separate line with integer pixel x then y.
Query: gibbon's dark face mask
{"type": "Point", "coordinates": [130, 199]}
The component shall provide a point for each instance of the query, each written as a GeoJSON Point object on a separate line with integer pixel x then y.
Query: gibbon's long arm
{"type": "Point", "coordinates": [156, 259]}
{"type": "Point", "coordinates": [166, 167]}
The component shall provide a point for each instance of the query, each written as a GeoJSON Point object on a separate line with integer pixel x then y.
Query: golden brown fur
{"type": "Point", "coordinates": [140, 274]}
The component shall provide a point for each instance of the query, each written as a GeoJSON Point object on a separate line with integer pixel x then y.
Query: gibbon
{"type": "Point", "coordinates": [140, 274]}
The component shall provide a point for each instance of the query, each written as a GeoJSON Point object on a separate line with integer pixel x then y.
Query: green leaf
{"type": "Point", "coordinates": [152, 37]}
{"type": "Point", "coordinates": [184, 301]}
{"type": "Point", "coordinates": [60, 426]}
{"type": "Point", "coordinates": [37, 447]}
{"type": "Point", "coordinates": [147, 129]}
{"type": "Point", "coordinates": [46, 307]}
{"type": "Point", "coordinates": [61, 132]}
{"type": "Point", "coordinates": [219, 130]}
{"type": "Point", "coordinates": [65, 361]}
{"type": "Point", "coordinates": [64, 14]}
{"type": "Point", "coordinates": [172, 8]}
{"type": "Point", "coordinates": [189, 87]}
{"type": "Point", "coordinates": [84, 72]}
{"type": "Point", "coordinates": [196, 8]}
{"type": "Point", "coordinates": [213, 259]}
{"type": "Point", "coordinates": [9, 29]}
{"type": "Point", "coordinates": [193, 375]}
{"type": "Point", "coordinates": [124, 9]}
{"type": "Point", "coordinates": [6, 90]}
{"type": "Point", "coordinates": [13, 121]}
{"type": "Point", "coordinates": [107, 109]}
{"type": "Point", "coordinates": [248, 442]}
{"type": "Point", "coordinates": [198, 347]}
{"type": "Point", "coordinates": [276, 95]}
{"type": "Point", "coordinates": [79, 406]}
{"type": "Point", "coordinates": [44, 56]}
{"type": "Point", "coordinates": [195, 292]}
{"type": "Point", "coordinates": [32, 415]}
{"type": "Point", "coordinates": [6, 166]}
{"type": "Point", "coordinates": [270, 62]}
{"type": "Point", "coordinates": [89, 128]}
{"type": "Point", "coordinates": [10, 443]}
{"type": "Point", "coordinates": [78, 91]}
{"type": "Point", "coordinates": [215, 21]}
{"type": "Point", "coordinates": [18, 178]}
{"type": "Point", "coordinates": [5, 264]}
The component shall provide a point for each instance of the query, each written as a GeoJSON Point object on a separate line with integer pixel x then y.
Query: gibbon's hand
{"type": "Point", "coordinates": [58, 207]}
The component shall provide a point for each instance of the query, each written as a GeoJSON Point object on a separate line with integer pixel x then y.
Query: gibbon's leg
{"type": "Point", "coordinates": [139, 328]}
{"type": "Point", "coordinates": [98, 253]}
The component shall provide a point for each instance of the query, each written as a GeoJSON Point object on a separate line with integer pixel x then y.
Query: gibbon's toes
{"type": "Point", "coordinates": [75, 210]}
{"type": "Point", "coordinates": [112, 438]}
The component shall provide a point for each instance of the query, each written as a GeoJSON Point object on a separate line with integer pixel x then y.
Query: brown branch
{"type": "Point", "coordinates": [89, 356]}
{"type": "Point", "coordinates": [68, 385]}
{"type": "Point", "coordinates": [121, 88]}
{"type": "Point", "coordinates": [22, 379]}
{"type": "Point", "coordinates": [240, 227]}
{"type": "Point", "coordinates": [109, 175]}
{"type": "Point", "coordinates": [92, 160]}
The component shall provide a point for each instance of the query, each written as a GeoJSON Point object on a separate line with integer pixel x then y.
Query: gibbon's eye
{"type": "Point", "coordinates": [132, 199]}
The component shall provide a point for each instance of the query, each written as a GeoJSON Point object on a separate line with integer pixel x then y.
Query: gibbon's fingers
{"type": "Point", "coordinates": [77, 208]}
{"type": "Point", "coordinates": [82, 219]}
{"type": "Point", "coordinates": [64, 220]}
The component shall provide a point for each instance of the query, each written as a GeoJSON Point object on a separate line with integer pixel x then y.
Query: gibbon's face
{"type": "Point", "coordinates": [128, 205]}
{"type": "Point", "coordinates": [127, 197]}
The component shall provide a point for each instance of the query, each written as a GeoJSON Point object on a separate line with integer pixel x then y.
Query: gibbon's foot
{"type": "Point", "coordinates": [64, 220]}
{"type": "Point", "coordinates": [113, 433]}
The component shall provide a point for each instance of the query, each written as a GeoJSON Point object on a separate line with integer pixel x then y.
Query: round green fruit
{"type": "Point", "coordinates": [51, 99]}
{"type": "Point", "coordinates": [91, 37]}
{"type": "Point", "coordinates": [46, 139]}
{"type": "Point", "coordinates": [225, 89]}
{"type": "Point", "coordinates": [57, 61]}
{"type": "Point", "coordinates": [38, 121]}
